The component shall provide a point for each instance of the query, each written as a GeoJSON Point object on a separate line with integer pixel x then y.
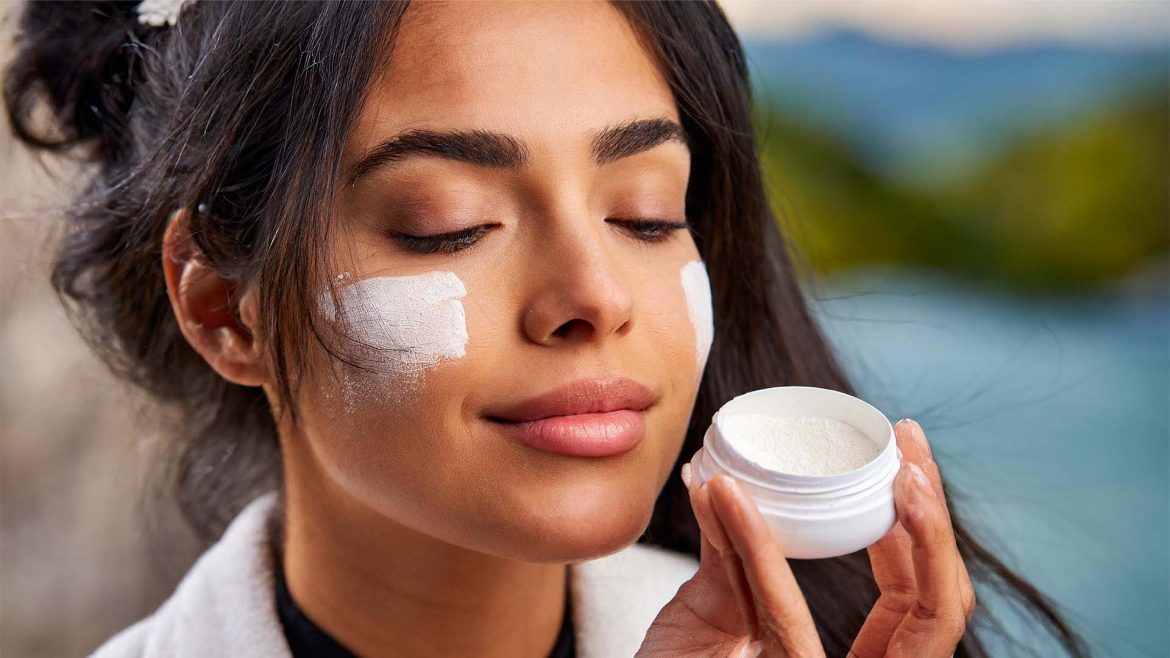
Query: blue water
{"type": "Point", "coordinates": [1050, 417]}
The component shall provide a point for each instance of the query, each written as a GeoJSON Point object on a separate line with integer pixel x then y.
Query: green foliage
{"type": "Point", "coordinates": [1077, 205]}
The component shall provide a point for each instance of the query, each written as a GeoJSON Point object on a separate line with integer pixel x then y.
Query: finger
{"type": "Point", "coordinates": [737, 576]}
{"type": "Point", "coordinates": [936, 621]}
{"type": "Point", "coordinates": [786, 625]}
{"type": "Point", "coordinates": [715, 538]}
{"type": "Point", "coordinates": [915, 447]}
{"type": "Point", "coordinates": [709, 524]}
{"type": "Point", "coordinates": [893, 571]}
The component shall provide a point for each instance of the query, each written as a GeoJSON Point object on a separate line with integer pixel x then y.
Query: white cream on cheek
{"type": "Point", "coordinates": [408, 323]}
{"type": "Point", "coordinates": [697, 288]}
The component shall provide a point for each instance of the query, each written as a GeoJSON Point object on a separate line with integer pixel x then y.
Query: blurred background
{"type": "Point", "coordinates": [980, 193]}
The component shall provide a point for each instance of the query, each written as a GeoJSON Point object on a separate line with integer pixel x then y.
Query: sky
{"type": "Point", "coordinates": [965, 25]}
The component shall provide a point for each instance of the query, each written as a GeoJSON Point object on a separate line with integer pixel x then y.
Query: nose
{"type": "Point", "coordinates": [579, 294]}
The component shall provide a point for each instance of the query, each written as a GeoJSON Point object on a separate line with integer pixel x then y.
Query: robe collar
{"type": "Point", "coordinates": [225, 604]}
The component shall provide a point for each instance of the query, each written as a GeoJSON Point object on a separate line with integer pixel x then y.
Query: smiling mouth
{"type": "Point", "coordinates": [586, 418]}
{"type": "Point", "coordinates": [580, 435]}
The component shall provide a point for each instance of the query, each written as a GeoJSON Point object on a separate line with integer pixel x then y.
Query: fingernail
{"type": "Point", "coordinates": [686, 475]}
{"type": "Point", "coordinates": [918, 435]}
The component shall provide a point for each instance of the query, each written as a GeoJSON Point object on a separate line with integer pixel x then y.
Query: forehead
{"type": "Point", "coordinates": [547, 72]}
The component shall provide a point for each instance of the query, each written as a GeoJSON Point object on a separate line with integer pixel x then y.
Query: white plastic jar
{"type": "Point", "coordinates": [812, 516]}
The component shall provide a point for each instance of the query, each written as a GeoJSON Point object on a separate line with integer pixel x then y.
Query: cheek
{"type": "Point", "coordinates": [697, 290]}
{"type": "Point", "coordinates": [397, 328]}
{"type": "Point", "coordinates": [381, 428]}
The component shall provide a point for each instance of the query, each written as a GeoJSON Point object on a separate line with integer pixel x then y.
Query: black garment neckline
{"type": "Point", "coordinates": [308, 640]}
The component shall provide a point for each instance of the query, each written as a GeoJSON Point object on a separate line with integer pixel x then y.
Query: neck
{"type": "Point", "coordinates": [383, 589]}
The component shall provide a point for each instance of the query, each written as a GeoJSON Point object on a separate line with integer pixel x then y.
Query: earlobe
{"type": "Point", "coordinates": [216, 317]}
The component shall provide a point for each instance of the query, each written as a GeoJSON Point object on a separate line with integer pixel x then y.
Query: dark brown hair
{"type": "Point", "coordinates": [240, 113]}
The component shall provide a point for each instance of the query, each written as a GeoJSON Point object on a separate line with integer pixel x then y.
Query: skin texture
{"type": "Point", "coordinates": [411, 516]}
{"type": "Point", "coordinates": [414, 526]}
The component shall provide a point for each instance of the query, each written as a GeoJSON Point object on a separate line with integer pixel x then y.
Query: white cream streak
{"type": "Point", "coordinates": [413, 321]}
{"type": "Point", "coordinates": [697, 287]}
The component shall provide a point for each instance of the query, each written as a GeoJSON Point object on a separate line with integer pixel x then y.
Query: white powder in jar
{"type": "Point", "coordinates": [800, 445]}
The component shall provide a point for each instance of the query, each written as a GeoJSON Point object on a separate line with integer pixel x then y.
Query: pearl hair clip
{"type": "Point", "coordinates": [160, 12]}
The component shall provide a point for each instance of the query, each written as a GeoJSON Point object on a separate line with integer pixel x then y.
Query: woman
{"type": "Point", "coordinates": [370, 252]}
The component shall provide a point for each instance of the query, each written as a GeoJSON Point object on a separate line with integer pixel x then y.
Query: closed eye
{"type": "Point", "coordinates": [650, 230]}
{"type": "Point", "coordinates": [445, 243]}
{"type": "Point", "coordinates": [646, 230]}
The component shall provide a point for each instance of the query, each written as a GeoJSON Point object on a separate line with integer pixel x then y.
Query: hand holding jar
{"type": "Point", "coordinates": [744, 599]}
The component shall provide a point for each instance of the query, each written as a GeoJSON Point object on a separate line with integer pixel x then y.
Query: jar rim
{"type": "Point", "coordinates": [801, 504]}
{"type": "Point", "coordinates": [781, 401]}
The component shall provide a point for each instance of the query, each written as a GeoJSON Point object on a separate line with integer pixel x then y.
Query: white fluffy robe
{"type": "Point", "coordinates": [225, 605]}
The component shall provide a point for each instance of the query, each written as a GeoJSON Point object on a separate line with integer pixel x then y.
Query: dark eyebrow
{"type": "Point", "coordinates": [491, 149]}
{"type": "Point", "coordinates": [632, 137]}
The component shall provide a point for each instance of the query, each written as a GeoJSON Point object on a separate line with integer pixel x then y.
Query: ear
{"type": "Point", "coordinates": [217, 319]}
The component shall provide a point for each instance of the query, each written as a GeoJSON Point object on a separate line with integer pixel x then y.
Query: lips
{"type": "Point", "coordinates": [584, 396]}
{"type": "Point", "coordinates": [587, 418]}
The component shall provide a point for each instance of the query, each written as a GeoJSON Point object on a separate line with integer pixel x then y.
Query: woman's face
{"type": "Point", "coordinates": [553, 289]}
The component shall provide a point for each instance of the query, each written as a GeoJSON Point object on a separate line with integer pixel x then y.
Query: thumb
{"type": "Point", "coordinates": [716, 553]}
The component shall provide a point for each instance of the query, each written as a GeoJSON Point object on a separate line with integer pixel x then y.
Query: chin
{"type": "Point", "coordinates": [581, 529]}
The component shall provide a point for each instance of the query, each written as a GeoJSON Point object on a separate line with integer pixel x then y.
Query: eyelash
{"type": "Point", "coordinates": [446, 243]}
{"type": "Point", "coordinates": [652, 230]}
{"type": "Point", "coordinates": [646, 230]}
